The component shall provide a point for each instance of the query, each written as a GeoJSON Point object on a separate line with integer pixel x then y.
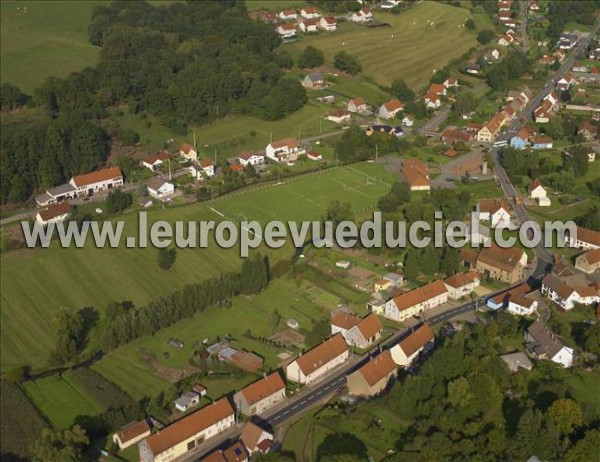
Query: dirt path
{"type": "Point", "coordinates": [169, 374]}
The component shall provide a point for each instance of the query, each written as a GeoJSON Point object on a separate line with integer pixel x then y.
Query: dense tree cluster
{"type": "Point", "coordinates": [591, 219]}
{"type": "Point", "coordinates": [11, 97]}
{"type": "Point", "coordinates": [44, 154]}
{"type": "Point", "coordinates": [311, 57]}
{"type": "Point", "coordinates": [66, 446]}
{"type": "Point", "coordinates": [355, 145]}
{"type": "Point", "coordinates": [346, 63]}
{"type": "Point", "coordinates": [118, 200]}
{"type": "Point", "coordinates": [513, 66]}
{"type": "Point", "coordinates": [560, 12]}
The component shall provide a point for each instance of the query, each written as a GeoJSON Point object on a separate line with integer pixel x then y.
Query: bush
{"type": "Point", "coordinates": [485, 36]}
{"type": "Point", "coordinates": [311, 57]}
{"type": "Point", "coordinates": [166, 258]}
{"type": "Point", "coordinates": [117, 201]}
{"type": "Point", "coordinates": [346, 63]}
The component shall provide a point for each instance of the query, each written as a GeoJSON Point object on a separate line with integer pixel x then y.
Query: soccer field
{"type": "Point", "coordinates": [36, 282]}
{"type": "Point", "coordinates": [420, 40]}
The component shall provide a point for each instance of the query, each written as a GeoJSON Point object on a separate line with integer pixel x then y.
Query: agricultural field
{"type": "Point", "coordinates": [42, 280]}
{"type": "Point", "coordinates": [263, 314]}
{"type": "Point", "coordinates": [273, 5]}
{"type": "Point", "coordinates": [400, 51]}
{"type": "Point", "coordinates": [43, 39]}
{"type": "Point", "coordinates": [62, 399]}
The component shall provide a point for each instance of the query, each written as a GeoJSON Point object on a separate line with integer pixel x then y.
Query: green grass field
{"type": "Point", "coordinates": [273, 5]}
{"type": "Point", "coordinates": [410, 49]}
{"type": "Point", "coordinates": [127, 367]}
{"type": "Point", "coordinates": [42, 39]}
{"type": "Point", "coordinates": [36, 282]}
{"type": "Point", "coordinates": [61, 399]}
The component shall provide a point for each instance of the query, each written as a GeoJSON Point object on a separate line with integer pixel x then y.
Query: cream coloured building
{"type": "Point", "coordinates": [315, 363]}
{"type": "Point", "coordinates": [260, 395]}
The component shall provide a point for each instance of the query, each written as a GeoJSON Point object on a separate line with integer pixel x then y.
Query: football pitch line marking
{"type": "Point", "coordinates": [350, 188]}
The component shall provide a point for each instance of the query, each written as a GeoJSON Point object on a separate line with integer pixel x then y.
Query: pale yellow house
{"type": "Point", "coordinates": [260, 395]}
{"type": "Point", "coordinates": [184, 435]}
{"type": "Point", "coordinates": [416, 301]}
{"type": "Point", "coordinates": [315, 363]}
{"type": "Point", "coordinates": [373, 377]}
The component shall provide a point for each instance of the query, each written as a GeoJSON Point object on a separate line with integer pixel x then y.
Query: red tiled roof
{"type": "Point", "coordinates": [55, 210]}
{"type": "Point", "coordinates": [263, 388]}
{"type": "Point", "coordinates": [186, 148]}
{"type": "Point", "coordinates": [461, 279]}
{"type": "Point", "coordinates": [344, 320]}
{"type": "Point", "coordinates": [393, 105]}
{"type": "Point", "coordinates": [133, 430]}
{"type": "Point", "coordinates": [322, 354]}
{"type": "Point", "coordinates": [378, 368]}
{"type": "Point", "coordinates": [588, 235]}
{"type": "Point", "coordinates": [415, 172]}
{"type": "Point", "coordinates": [417, 340]}
{"type": "Point", "coordinates": [188, 426]}
{"type": "Point", "coordinates": [369, 326]}
{"type": "Point", "coordinates": [289, 142]}
{"type": "Point", "coordinates": [420, 295]}
{"type": "Point", "coordinates": [98, 176]}
{"type": "Point", "coordinates": [151, 159]}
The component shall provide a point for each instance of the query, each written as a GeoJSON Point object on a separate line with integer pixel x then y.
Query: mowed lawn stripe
{"type": "Point", "coordinates": [411, 49]}
{"type": "Point", "coordinates": [61, 399]}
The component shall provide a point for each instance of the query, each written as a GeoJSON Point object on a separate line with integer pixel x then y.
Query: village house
{"type": "Point", "coordinates": [308, 25]}
{"type": "Point", "coordinates": [503, 264]}
{"type": "Point", "coordinates": [286, 150]}
{"type": "Point", "coordinates": [261, 395]}
{"type": "Point", "coordinates": [256, 439]}
{"type": "Point", "coordinates": [390, 109]}
{"type": "Point", "coordinates": [533, 5]}
{"type": "Point", "coordinates": [579, 67]}
{"type": "Point", "coordinates": [310, 12]}
{"type": "Point", "coordinates": [451, 82]}
{"type": "Point", "coordinates": [328, 23]}
{"type": "Point", "coordinates": [461, 284]}
{"type": "Point", "coordinates": [542, 343]}
{"type": "Point", "coordinates": [567, 41]}
{"type": "Point", "coordinates": [251, 158]}
{"type": "Point", "coordinates": [53, 213]}
{"type": "Point", "coordinates": [506, 40]}
{"type": "Point", "coordinates": [494, 211]}
{"type": "Point", "coordinates": [131, 433]}
{"type": "Point", "coordinates": [565, 82]}
{"type": "Point", "coordinates": [516, 361]}
{"type": "Point", "coordinates": [520, 140]}
{"type": "Point", "coordinates": [537, 192]}
{"type": "Point", "coordinates": [416, 301]}
{"type": "Point", "coordinates": [236, 452]}
{"type": "Point", "coordinates": [314, 155]}
{"type": "Point", "coordinates": [416, 174]}
{"type": "Point", "coordinates": [565, 295]}
{"type": "Point", "coordinates": [200, 390]}
{"type": "Point", "coordinates": [374, 377]}
{"type": "Point", "coordinates": [468, 258]}
{"type": "Point", "coordinates": [339, 116]}
{"type": "Point", "coordinates": [432, 100]}
{"type": "Point", "coordinates": [159, 188]}
{"type": "Point", "coordinates": [489, 131]}
{"type": "Point", "coordinates": [492, 55]}
{"type": "Point", "coordinates": [155, 161]}
{"type": "Point", "coordinates": [454, 135]}
{"type": "Point", "coordinates": [315, 363]}
{"type": "Point", "coordinates": [363, 15]}
{"type": "Point", "coordinates": [208, 167]}
{"type": "Point", "coordinates": [185, 434]}
{"type": "Point", "coordinates": [408, 120]}
{"type": "Point", "coordinates": [438, 89]}
{"type": "Point", "coordinates": [358, 105]}
{"type": "Point", "coordinates": [500, 300]}
{"type": "Point", "coordinates": [587, 131]}
{"type": "Point", "coordinates": [313, 80]}
{"type": "Point", "coordinates": [473, 68]}
{"type": "Point", "coordinates": [542, 142]}
{"type": "Point", "coordinates": [286, 30]}
{"type": "Point", "coordinates": [361, 333]}
{"type": "Point", "coordinates": [187, 401]}
{"type": "Point", "coordinates": [503, 6]}
{"type": "Point", "coordinates": [288, 15]}
{"type": "Point", "coordinates": [586, 239]}
{"type": "Point", "coordinates": [588, 261]}
{"type": "Point", "coordinates": [189, 152]}
{"type": "Point", "coordinates": [405, 352]}
{"type": "Point", "coordinates": [521, 306]}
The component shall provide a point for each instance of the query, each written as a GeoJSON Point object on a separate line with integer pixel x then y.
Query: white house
{"type": "Point", "coordinates": [364, 15]}
{"type": "Point", "coordinates": [586, 239]}
{"type": "Point", "coordinates": [451, 82]}
{"type": "Point", "coordinates": [408, 120]}
{"type": "Point", "coordinates": [159, 188]}
{"type": "Point", "coordinates": [521, 305]}
{"type": "Point", "coordinates": [357, 105]}
{"type": "Point", "coordinates": [101, 180]}
{"type": "Point", "coordinates": [256, 439]}
{"type": "Point", "coordinates": [189, 152]}
{"type": "Point", "coordinates": [208, 167]}
{"type": "Point", "coordinates": [251, 158]}
{"type": "Point", "coordinates": [432, 100]}
{"type": "Point", "coordinates": [356, 331]}
{"type": "Point", "coordinates": [185, 434]}
{"type": "Point", "coordinates": [54, 213]}
{"type": "Point", "coordinates": [565, 296]}
{"type": "Point", "coordinates": [155, 161]}
{"type": "Point", "coordinates": [328, 23]}
{"type": "Point", "coordinates": [308, 25]}
{"type": "Point", "coordinates": [261, 395]}
{"type": "Point", "coordinates": [409, 348]}
{"type": "Point", "coordinates": [317, 362]}
{"type": "Point", "coordinates": [310, 12]}
{"type": "Point", "coordinates": [390, 109]}
{"type": "Point", "coordinates": [286, 30]}
{"type": "Point", "coordinates": [131, 433]}
{"type": "Point", "coordinates": [536, 190]}
{"type": "Point", "coordinates": [416, 301]}
{"type": "Point", "coordinates": [542, 343]}
{"type": "Point", "coordinates": [288, 15]}
{"type": "Point", "coordinates": [187, 401]}
{"type": "Point", "coordinates": [286, 150]}
{"type": "Point", "coordinates": [461, 284]}
{"type": "Point", "coordinates": [494, 211]}
{"type": "Point", "coordinates": [339, 116]}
